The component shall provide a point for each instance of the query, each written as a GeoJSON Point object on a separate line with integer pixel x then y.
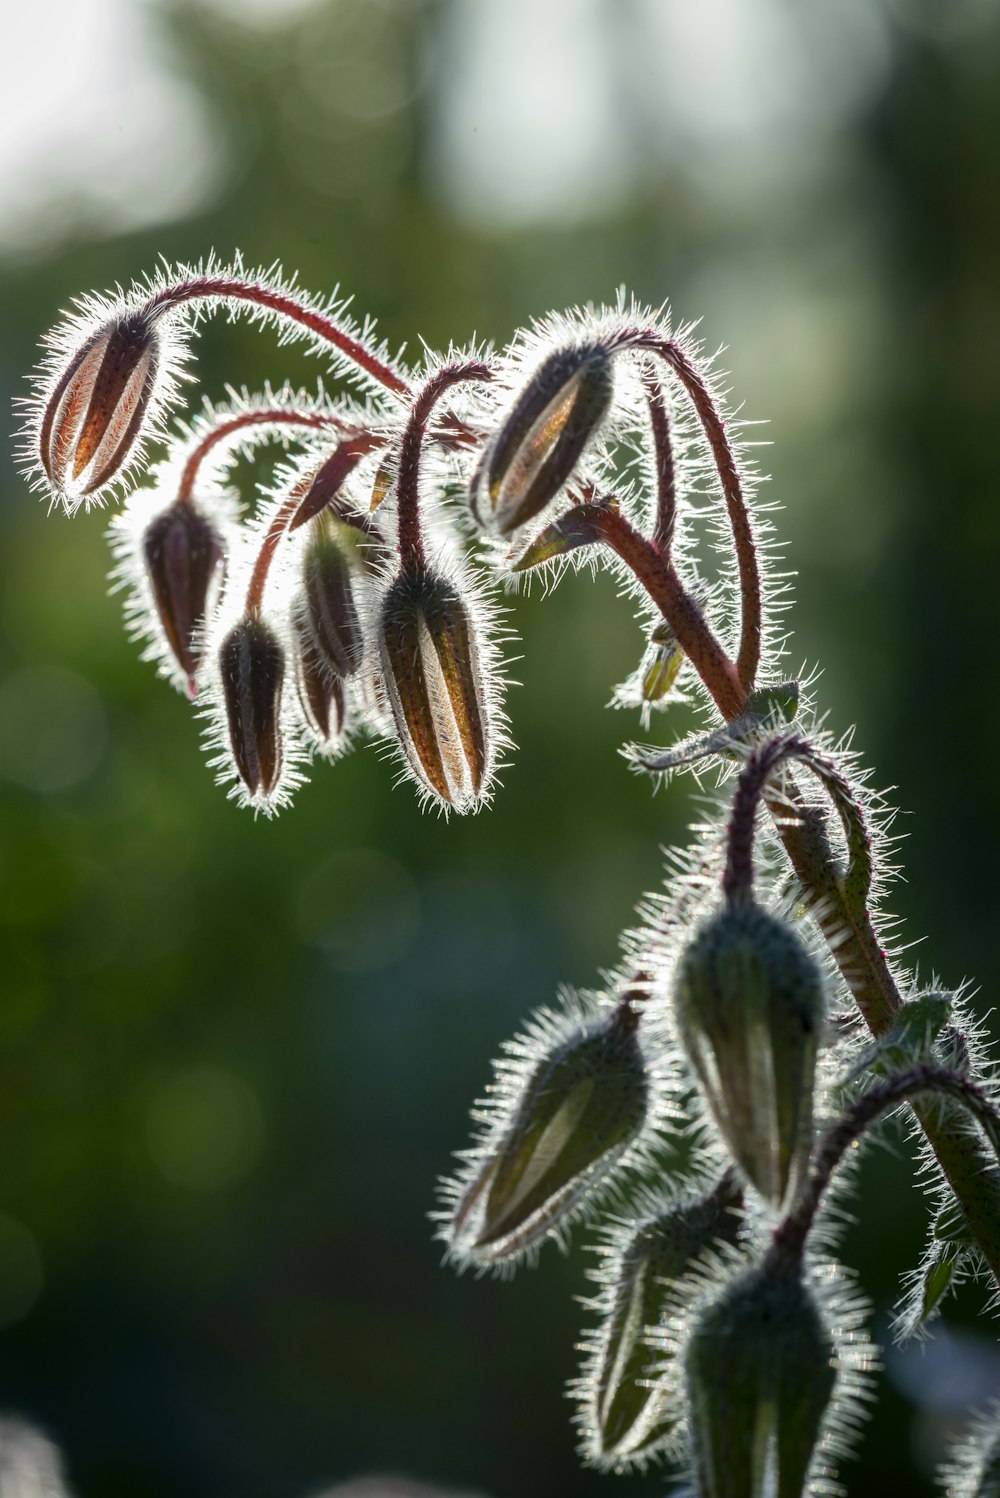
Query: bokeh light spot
{"type": "Point", "coordinates": [204, 1128]}
{"type": "Point", "coordinates": [361, 908]}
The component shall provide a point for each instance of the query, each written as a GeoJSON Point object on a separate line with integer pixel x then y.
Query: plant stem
{"type": "Point", "coordinates": [411, 541]}
{"type": "Point", "coordinates": [274, 417]}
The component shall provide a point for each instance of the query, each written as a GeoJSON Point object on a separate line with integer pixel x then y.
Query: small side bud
{"type": "Point", "coordinates": [430, 661]}
{"type": "Point", "coordinates": [252, 669]}
{"type": "Point", "coordinates": [321, 692]}
{"type": "Point", "coordinates": [632, 1410]}
{"type": "Point", "coordinates": [540, 443]}
{"type": "Point", "coordinates": [184, 557]}
{"type": "Point", "coordinates": [749, 1005]}
{"type": "Point", "coordinates": [581, 1108]}
{"type": "Point", "coordinates": [94, 415]}
{"type": "Point", "coordinates": [760, 1374]}
{"type": "Point", "coordinates": [578, 527]}
{"type": "Point", "coordinates": [329, 569]}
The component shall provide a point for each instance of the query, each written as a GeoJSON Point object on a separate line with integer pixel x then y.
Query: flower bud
{"type": "Point", "coordinates": [322, 697]}
{"type": "Point", "coordinates": [543, 436]}
{"type": "Point", "coordinates": [184, 557]}
{"type": "Point", "coordinates": [93, 416]}
{"type": "Point", "coordinates": [430, 660]}
{"type": "Point", "coordinates": [632, 1412]}
{"type": "Point", "coordinates": [252, 668]}
{"type": "Point", "coordinates": [660, 665]}
{"type": "Point", "coordinates": [760, 1372]}
{"type": "Point", "coordinates": [329, 565]}
{"type": "Point", "coordinates": [749, 1004]}
{"type": "Point", "coordinates": [581, 1108]}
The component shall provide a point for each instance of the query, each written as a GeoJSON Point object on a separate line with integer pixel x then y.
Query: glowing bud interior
{"type": "Point", "coordinates": [430, 658]}
{"type": "Point", "coordinates": [252, 670]}
{"type": "Point", "coordinates": [543, 437]}
{"type": "Point", "coordinates": [581, 1108]}
{"type": "Point", "coordinates": [184, 558]}
{"type": "Point", "coordinates": [760, 1374]}
{"type": "Point", "coordinates": [749, 1005]}
{"type": "Point", "coordinates": [94, 415]}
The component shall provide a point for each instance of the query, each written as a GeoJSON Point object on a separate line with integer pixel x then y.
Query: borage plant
{"type": "Point", "coordinates": [755, 1011]}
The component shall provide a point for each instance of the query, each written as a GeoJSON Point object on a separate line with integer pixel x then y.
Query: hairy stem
{"type": "Point", "coordinates": [273, 418]}
{"type": "Point", "coordinates": [411, 541]}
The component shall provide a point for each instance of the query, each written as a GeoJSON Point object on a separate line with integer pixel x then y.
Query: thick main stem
{"type": "Point", "coordinates": [848, 929]}
{"type": "Point", "coordinates": [411, 541]}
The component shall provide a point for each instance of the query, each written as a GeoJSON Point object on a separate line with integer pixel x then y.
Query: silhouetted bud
{"type": "Point", "coordinates": [749, 1005]}
{"type": "Point", "coordinates": [430, 659]}
{"type": "Point", "coordinates": [329, 569]}
{"type": "Point", "coordinates": [93, 417]}
{"type": "Point", "coordinates": [184, 557]}
{"type": "Point", "coordinates": [631, 1412]}
{"type": "Point", "coordinates": [252, 668]}
{"type": "Point", "coordinates": [541, 440]}
{"type": "Point", "coordinates": [581, 1108]}
{"type": "Point", "coordinates": [760, 1374]}
{"type": "Point", "coordinates": [321, 691]}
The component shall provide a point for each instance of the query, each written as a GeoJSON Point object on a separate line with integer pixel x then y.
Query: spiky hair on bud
{"type": "Point", "coordinates": [971, 1468]}
{"type": "Point", "coordinates": [591, 1044]}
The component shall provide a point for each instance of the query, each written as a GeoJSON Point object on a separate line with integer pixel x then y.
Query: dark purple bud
{"type": "Point", "coordinates": [329, 575]}
{"type": "Point", "coordinates": [252, 668]}
{"type": "Point", "coordinates": [321, 691]}
{"type": "Point", "coordinates": [537, 448]}
{"type": "Point", "coordinates": [94, 415]}
{"type": "Point", "coordinates": [185, 561]}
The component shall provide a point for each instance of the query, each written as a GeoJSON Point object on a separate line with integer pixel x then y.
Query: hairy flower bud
{"type": "Point", "coordinates": [660, 665]}
{"type": "Point", "coordinates": [760, 1373]}
{"type": "Point", "coordinates": [581, 1108]}
{"type": "Point", "coordinates": [252, 669]}
{"type": "Point", "coordinates": [430, 660]}
{"type": "Point", "coordinates": [540, 442]}
{"type": "Point", "coordinates": [322, 697]}
{"type": "Point", "coordinates": [749, 1004]}
{"type": "Point", "coordinates": [329, 567]}
{"type": "Point", "coordinates": [94, 414]}
{"type": "Point", "coordinates": [184, 556]}
{"type": "Point", "coordinates": [630, 1412]}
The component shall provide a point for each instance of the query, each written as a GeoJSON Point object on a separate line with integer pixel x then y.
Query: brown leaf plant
{"type": "Point", "coordinates": [758, 1010]}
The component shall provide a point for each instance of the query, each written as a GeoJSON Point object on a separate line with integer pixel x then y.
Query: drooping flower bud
{"type": "Point", "coordinates": [749, 1003]}
{"type": "Point", "coordinates": [94, 414]}
{"type": "Point", "coordinates": [581, 1108]}
{"type": "Point", "coordinates": [541, 440]}
{"type": "Point", "coordinates": [329, 574]}
{"type": "Point", "coordinates": [632, 1408]}
{"type": "Point", "coordinates": [761, 1371]}
{"type": "Point", "coordinates": [322, 695]}
{"type": "Point", "coordinates": [252, 670]}
{"type": "Point", "coordinates": [184, 557]}
{"type": "Point", "coordinates": [431, 664]}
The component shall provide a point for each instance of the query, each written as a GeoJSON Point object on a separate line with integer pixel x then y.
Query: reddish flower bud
{"type": "Point", "coordinates": [185, 558]}
{"type": "Point", "coordinates": [329, 572]}
{"type": "Point", "coordinates": [94, 414]}
{"type": "Point", "coordinates": [252, 670]}
{"type": "Point", "coordinates": [543, 436]}
{"type": "Point", "coordinates": [430, 659]}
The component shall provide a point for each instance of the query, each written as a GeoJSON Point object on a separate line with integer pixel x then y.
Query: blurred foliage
{"type": "Point", "coordinates": [238, 1054]}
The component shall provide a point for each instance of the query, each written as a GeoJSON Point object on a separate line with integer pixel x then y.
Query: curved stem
{"type": "Point", "coordinates": [791, 1234]}
{"type": "Point", "coordinates": [726, 466]}
{"type": "Point", "coordinates": [272, 417]}
{"type": "Point", "coordinates": [658, 402]}
{"type": "Point", "coordinates": [290, 309]}
{"type": "Point", "coordinates": [411, 541]}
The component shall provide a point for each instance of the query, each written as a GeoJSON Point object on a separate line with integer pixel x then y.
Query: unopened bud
{"type": "Point", "coordinates": [749, 1006]}
{"type": "Point", "coordinates": [252, 668]}
{"type": "Point", "coordinates": [430, 658]}
{"type": "Point", "coordinates": [94, 415]}
{"type": "Point", "coordinates": [581, 1108]}
{"type": "Point", "coordinates": [543, 436]}
{"type": "Point", "coordinates": [329, 571]}
{"type": "Point", "coordinates": [660, 665]}
{"type": "Point", "coordinates": [322, 697]}
{"type": "Point", "coordinates": [634, 1412]}
{"type": "Point", "coordinates": [184, 557]}
{"type": "Point", "coordinates": [760, 1373]}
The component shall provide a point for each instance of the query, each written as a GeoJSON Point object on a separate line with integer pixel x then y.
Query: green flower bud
{"type": "Point", "coordinates": [535, 451]}
{"type": "Point", "coordinates": [749, 1004]}
{"type": "Point", "coordinates": [431, 667]}
{"type": "Point", "coordinates": [632, 1409]}
{"type": "Point", "coordinates": [329, 564]}
{"type": "Point", "coordinates": [760, 1374]}
{"type": "Point", "coordinates": [581, 1107]}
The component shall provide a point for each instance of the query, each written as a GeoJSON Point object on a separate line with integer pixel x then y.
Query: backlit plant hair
{"type": "Point", "coordinates": [699, 1105]}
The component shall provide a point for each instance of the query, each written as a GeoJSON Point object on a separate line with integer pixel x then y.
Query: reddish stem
{"type": "Point", "coordinates": [275, 416]}
{"type": "Point", "coordinates": [411, 542]}
{"type": "Point", "coordinates": [232, 288]}
{"type": "Point", "coordinates": [663, 453]}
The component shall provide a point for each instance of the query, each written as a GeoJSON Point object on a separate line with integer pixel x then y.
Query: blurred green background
{"type": "Point", "coordinates": [236, 1056]}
